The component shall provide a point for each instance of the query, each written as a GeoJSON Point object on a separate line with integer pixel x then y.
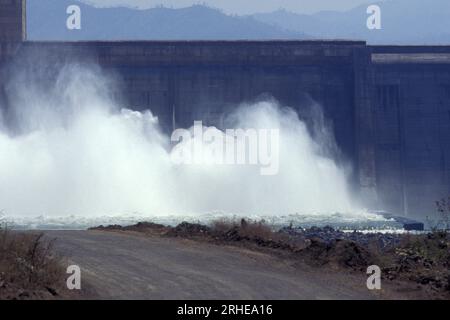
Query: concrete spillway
{"type": "Point", "coordinates": [389, 105]}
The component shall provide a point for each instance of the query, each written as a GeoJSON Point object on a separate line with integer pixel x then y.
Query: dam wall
{"type": "Point", "coordinates": [184, 81]}
{"type": "Point", "coordinates": [388, 106]}
{"type": "Point", "coordinates": [412, 125]}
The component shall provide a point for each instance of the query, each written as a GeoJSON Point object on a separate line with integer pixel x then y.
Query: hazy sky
{"type": "Point", "coordinates": [244, 6]}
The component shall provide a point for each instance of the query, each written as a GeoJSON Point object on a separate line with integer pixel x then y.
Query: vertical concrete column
{"type": "Point", "coordinates": [365, 126]}
{"type": "Point", "coordinates": [12, 21]}
{"type": "Point", "coordinates": [12, 34]}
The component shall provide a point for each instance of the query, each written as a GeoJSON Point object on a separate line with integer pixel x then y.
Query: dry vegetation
{"type": "Point", "coordinates": [424, 259]}
{"type": "Point", "coordinates": [28, 267]}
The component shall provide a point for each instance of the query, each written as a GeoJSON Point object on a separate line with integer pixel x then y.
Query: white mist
{"type": "Point", "coordinates": [79, 154]}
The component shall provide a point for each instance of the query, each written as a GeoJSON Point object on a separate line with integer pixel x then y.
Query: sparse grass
{"type": "Point", "coordinates": [28, 267]}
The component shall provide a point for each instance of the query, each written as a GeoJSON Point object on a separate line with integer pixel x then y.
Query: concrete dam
{"type": "Point", "coordinates": [389, 106]}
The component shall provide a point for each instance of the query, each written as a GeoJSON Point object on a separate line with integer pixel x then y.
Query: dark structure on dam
{"type": "Point", "coordinates": [389, 105]}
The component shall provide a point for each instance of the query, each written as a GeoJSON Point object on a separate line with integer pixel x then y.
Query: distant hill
{"type": "Point", "coordinates": [403, 22]}
{"type": "Point", "coordinates": [47, 21]}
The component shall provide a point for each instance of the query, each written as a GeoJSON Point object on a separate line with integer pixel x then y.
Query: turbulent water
{"type": "Point", "coordinates": [73, 154]}
{"type": "Point", "coordinates": [363, 221]}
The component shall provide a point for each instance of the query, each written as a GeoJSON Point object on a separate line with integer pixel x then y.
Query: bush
{"type": "Point", "coordinates": [434, 246]}
{"type": "Point", "coordinates": [28, 266]}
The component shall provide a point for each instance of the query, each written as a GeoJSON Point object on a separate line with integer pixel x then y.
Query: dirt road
{"type": "Point", "coordinates": [122, 266]}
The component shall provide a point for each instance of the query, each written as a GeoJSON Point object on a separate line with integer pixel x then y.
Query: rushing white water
{"type": "Point", "coordinates": [75, 152]}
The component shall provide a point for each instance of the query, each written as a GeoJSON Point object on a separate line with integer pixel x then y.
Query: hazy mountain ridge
{"type": "Point", "coordinates": [403, 22]}
{"type": "Point", "coordinates": [47, 21]}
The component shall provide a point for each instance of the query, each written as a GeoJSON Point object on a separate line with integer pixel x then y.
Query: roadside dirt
{"type": "Point", "coordinates": [135, 265]}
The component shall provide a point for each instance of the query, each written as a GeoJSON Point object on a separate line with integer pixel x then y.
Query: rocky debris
{"type": "Point", "coordinates": [424, 259]}
{"type": "Point", "coordinates": [11, 291]}
{"type": "Point", "coordinates": [237, 234]}
{"type": "Point", "coordinates": [186, 229]}
{"type": "Point", "coordinates": [351, 254]}
{"type": "Point", "coordinates": [329, 235]}
{"type": "Point", "coordinates": [231, 235]}
{"type": "Point", "coordinates": [142, 226]}
{"type": "Point", "coordinates": [339, 252]}
{"type": "Point", "coordinates": [110, 227]}
{"type": "Point", "coordinates": [139, 227]}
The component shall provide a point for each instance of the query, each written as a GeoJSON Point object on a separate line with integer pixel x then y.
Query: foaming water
{"type": "Point", "coordinates": [74, 151]}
